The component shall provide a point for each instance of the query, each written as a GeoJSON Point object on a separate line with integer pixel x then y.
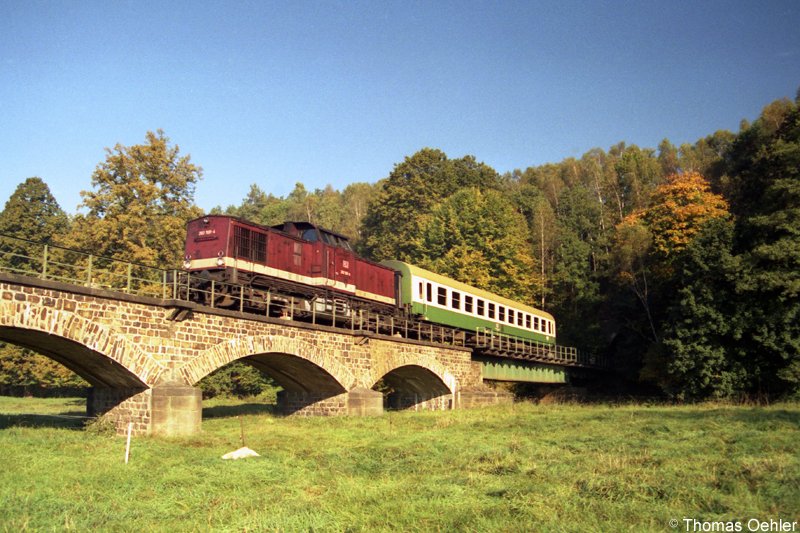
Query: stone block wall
{"type": "Point", "coordinates": [121, 406]}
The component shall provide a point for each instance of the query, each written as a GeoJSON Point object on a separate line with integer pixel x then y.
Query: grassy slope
{"type": "Point", "coordinates": [520, 468]}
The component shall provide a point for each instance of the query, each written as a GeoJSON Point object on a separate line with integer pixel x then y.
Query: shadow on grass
{"type": "Point", "coordinates": [71, 420]}
{"type": "Point", "coordinates": [226, 411]}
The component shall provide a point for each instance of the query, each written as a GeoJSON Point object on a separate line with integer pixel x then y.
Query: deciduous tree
{"type": "Point", "coordinates": [479, 238]}
{"type": "Point", "coordinates": [400, 211]}
{"type": "Point", "coordinates": [679, 208]}
{"type": "Point", "coordinates": [143, 196]}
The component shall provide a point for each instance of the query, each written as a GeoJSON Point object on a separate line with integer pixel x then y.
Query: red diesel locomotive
{"type": "Point", "coordinates": [295, 258]}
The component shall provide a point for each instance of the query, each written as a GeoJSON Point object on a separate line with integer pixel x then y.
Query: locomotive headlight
{"type": "Point", "coordinates": [187, 262]}
{"type": "Point", "coordinates": [220, 260]}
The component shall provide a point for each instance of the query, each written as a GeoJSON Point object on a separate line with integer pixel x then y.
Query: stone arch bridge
{"type": "Point", "coordinates": [144, 365]}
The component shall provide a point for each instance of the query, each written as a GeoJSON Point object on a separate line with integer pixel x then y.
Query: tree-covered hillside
{"type": "Point", "coordinates": [682, 263]}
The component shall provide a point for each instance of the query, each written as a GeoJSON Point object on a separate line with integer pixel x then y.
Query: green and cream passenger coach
{"type": "Point", "coordinates": [442, 300]}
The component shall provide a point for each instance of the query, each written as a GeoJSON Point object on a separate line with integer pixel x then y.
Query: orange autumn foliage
{"type": "Point", "coordinates": [678, 210]}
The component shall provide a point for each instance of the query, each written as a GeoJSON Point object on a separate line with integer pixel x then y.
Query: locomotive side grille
{"type": "Point", "coordinates": [250, 245]}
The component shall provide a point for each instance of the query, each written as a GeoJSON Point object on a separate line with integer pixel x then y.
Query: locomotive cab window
{"type": "Point", "coordinates": [310, 235]}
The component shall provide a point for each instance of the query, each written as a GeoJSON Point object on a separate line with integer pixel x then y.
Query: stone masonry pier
{"type": "Point", "coordinates": [144, 365]}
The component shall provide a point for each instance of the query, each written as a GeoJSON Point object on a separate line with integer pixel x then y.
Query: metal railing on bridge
{"type": "Point", "coordinates": [490, 342]}
{"type": "Point", "coordinates": [58, 263]}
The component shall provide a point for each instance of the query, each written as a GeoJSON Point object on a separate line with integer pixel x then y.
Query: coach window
{"type": "Point", "coordinates": [511, 316]}
{"type": "Point", "coordinates": [429, 292]}
{"type": "Point", "coordinates": [441, 296]}
{"type": "Point", "coordinates": [550, 327]}
{"type": "Point", "coordinates": [527, 321]}
{"type": "Point", "coordinates": [536, 323]}
{"type": "Point", "coordinates": [481, 307]}
{"type": "Point", "coordinates": [455, 300]}
{"type": "Point", "coordinates": [421, 292]}
{"type": "Point", "coordinates": [491, 310]}
{"type": "Point", "coordinates": [501, 313]}
{"type": "Point", "coordinates": [468, 303]}
{"type": "Point", "coordinates": [519, 318]}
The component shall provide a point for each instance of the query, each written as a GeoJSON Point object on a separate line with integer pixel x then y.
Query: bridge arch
{"type": "Point", "coordinates": [414, 386]}
{"type": "Point", "coordinates": [95, 352]}
{"type": "Point", "coordinates": [295, 364]}
{"type": "Point", "coordinates": [411, 379]}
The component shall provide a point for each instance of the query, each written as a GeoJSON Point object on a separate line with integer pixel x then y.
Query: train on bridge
{"type": "Point", "coordinates": [304, 268]}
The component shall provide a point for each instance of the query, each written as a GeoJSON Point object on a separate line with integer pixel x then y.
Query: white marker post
{"type": "Point", "coordinates": [128, 444]}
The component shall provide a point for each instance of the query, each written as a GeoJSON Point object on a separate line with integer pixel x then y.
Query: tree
{"type": "Point", "coordinates": [632, 264]}
{"type": "Point", "coordinates": [707, 157]}
{"type": "Point", "coordinates": [479, 238]}
{"type": "Point", "coordinates": [355, 199]}
{"type": "Point", "coordinates": [638, 172]}
{"type": "Point", "coordinates": [765, 190]}
{"type": "Point", "coordinates": [544, 232]}
{"type": "Point", "coordinates": [668, 158]}
{"type": "Point", "coordinates": [31, 213]}
{"type": "Point", "coordinates": [702, 328]}
{"type": "Point", "coordinates": [400, 211]}
{"type": "Point", "coordinates": [679, 208]}
{"type": "Point", "coordinates": [22, 367]}
{"type": "Point", "coordinates": [143, 196]}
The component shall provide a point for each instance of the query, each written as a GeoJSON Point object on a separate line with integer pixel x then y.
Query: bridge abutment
{"type": "Point", "coordinates": [167, 410]}
{"type": "Point", "coordinates": [176, 410]}
{"type": "Point", "coordinates": [358, 402]}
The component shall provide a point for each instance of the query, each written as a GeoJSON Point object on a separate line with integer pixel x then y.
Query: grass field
{"type": "Point", "coordinates": [513, 468]}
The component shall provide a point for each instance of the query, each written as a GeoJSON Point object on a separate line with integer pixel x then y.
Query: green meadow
{"type": "Point", "coordinates": [523, 467]}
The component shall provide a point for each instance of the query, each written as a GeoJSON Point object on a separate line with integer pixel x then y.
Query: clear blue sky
{"type": "Point", "coordinates": [337, 92]}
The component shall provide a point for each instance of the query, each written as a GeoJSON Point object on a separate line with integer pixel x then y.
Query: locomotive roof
{"type": "Point", "coordinates": [277, 227]}
{"type": "Point", "coordinates": [413, 270]}
{"type": "Point", "coordinates": [309, 225]}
